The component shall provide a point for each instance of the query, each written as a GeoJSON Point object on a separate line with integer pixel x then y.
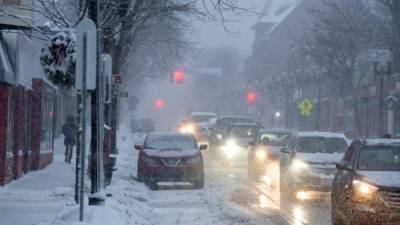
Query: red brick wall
{"type": "Point", "coordinates": [36, 127]}
{"type": "Point", "coordinates": [5, 163]}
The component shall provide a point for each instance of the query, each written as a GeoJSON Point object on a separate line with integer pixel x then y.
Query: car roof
{"type": "Point", "coordinates": [381, 141]}
{"type": "Point", "coordinates": [321, 134]}
{"type": "Point", "coordinates": [234, 117]}
{"type": "Point", "coordinates": [246, 124]}
{"type": "Point", "coordinates": [277, 130]}
{"type": "Point", "coordinates": [202, 114]}
{"type": "Point", "coordinates": [167, 133]}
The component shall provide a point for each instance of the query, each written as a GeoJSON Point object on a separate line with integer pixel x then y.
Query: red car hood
{"type": "Point", "coordinates": [171, 153]}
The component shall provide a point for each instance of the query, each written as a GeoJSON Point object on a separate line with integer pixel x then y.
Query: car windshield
{"type": "Point", "coordinates": [379, 158]}
{"type": "Point", "coordinates": [274, 138]}
{"type": "Point", "coordinates": [201, 118]}
{"type": "Point", "coordinates": [243, 131]}
{"type": "Point", "coordinates": [321, 145]}
{"type": "Point", "coordinates": [169, 142]}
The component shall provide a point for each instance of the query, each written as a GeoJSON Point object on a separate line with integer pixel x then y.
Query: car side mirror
{"type": "Point", "coordinates": [203, 147]}
{"type": "Point", "coordinates": [138, 147]}
{"type": "Point", "coordinates": [342, 166]}
{"type": "Point", "coordinates": [285, 150]}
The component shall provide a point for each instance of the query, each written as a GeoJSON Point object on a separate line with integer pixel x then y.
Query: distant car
{"type": "Point", "coordinates": [308, 163]}
{"type": "Point", "coordinates": [144, 125]}
{"type": "Point", "coordinates": [266, 148]}
{"type": "Point", "coordinates": [221, 128]}
{"type": "Point", "coordinates": [197, 124]}
{"type": "Point", "coordinates": [234, 145]}
{"type": "Point", "coordinates": [366, 188]}
{"type": "Point", "coordinates": [170, 157]}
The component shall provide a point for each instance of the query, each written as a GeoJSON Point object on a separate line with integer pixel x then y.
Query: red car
{"type": "Point", "coordinates": [170, 157]}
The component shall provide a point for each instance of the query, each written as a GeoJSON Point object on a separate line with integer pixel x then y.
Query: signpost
{"type": "Point", "coordinates": [86, 26]}
{"type": "Point", "coordinates": [85, 79]}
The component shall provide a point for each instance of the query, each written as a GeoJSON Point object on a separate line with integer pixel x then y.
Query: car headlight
{"type": "Point", "coordinates": [230, 148]}
{"type": "Point", "coordinates": [182, 130]}
{"type": "Point", "coordinates": [364, 188]}
{"type": "Point", "coordinates": [261, 155]}
{"type": "Point", "coordinates": [193, 160]}
{"type": "Point", "coordinates": [190, 128]}
{"type": "Point", "coordinates": [298, 165]}
{"type": "Point", "coordinates": [150, 161]}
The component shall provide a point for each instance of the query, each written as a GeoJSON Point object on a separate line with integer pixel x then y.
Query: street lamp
{"type": "Point", "coordinates": [277, 114]}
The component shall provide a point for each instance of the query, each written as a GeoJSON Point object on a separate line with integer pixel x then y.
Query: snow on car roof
{"type": "Point", "coordinates": [203, 113]}
{"type": "Point", "coordinates": [380, 141]}
{"type": "Point", "coordinates": [321, 134]}
{"type": "Point", "coordinates": [277, 130]}
{"type": "Point", "coordinates": [245, 124]}
{"type": "Point", "coordinates": [167, 133]}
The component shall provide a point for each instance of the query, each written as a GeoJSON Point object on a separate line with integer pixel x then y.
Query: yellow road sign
{"type": "Point", "coordinates": [305, 107]}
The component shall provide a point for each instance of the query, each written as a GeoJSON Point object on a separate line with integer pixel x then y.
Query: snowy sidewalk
{"type": "Point", "coordinates": [38, 196]}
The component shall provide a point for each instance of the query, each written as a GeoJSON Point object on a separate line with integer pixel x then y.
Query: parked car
{"type": "Point", "coordinates": [221, 129]}
{"type": "Point", "coordinates": [366, 188]}
{"type": "Point", "coordinates": [266, 149]}
{"type": "Point", "coordinates": [144, 125]}
{"type": "Point", "coordinates": [234, 146]}
{"type": "Point", "coordinates": [170, 157]}
{"type": "Point", "coordinates": [308, 163]}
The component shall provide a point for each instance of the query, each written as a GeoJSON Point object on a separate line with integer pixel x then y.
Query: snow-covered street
{"type": "Point", "coordinates": [228, 197]}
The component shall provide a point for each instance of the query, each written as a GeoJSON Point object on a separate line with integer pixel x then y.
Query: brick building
{"type": "Point", "coordinates": [32, 110]}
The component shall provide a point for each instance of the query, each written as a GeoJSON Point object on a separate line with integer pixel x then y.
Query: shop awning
{"type": "Point", "coordinates": [6, 70]}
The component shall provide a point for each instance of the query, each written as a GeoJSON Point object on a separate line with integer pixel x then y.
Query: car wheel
{"type": "Point", "coordinates": [199, 183]}
{"type": "Point", "coordinates": [153, 185]}
{"type": "Point", "coordinates": [139, 177]}
{"type": "Point", "coordinates": [336, 220]}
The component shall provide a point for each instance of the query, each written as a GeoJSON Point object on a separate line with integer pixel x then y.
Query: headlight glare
{"type": "Point", "coordinates": [364, 188]}
{"type": "Point", "coordinates": [261, 155]}
{"type": "Point", "coordinates": [298, 165]}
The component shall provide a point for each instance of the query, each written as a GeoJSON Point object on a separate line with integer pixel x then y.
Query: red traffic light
{"type": "Point", "coordinates": [178, 76]}
{"type": "Point", "coordinates": [159, 104]}
{"type": "Point", "coordinates": [251, 97]}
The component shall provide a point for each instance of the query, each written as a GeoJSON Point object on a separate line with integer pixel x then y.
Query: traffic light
{"type": "Point", "coordinates": [159, 104]}
{"type": "Point", "coordinates": [178, 76]}
{"type": "Point", "coordinates": [251, 97]}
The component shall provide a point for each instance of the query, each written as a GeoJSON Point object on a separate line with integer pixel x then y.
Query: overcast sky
{"type": "Point", "coordinates": [209, 35]}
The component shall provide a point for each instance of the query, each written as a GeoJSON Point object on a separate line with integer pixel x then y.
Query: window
{"type": "Point", "coordinates": [10, 124]}
{"type": "Point", "coordinates": [47, 119]}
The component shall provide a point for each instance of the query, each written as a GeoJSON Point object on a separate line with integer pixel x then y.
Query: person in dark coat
{"type": "Point", "coordinates": [69, 131]}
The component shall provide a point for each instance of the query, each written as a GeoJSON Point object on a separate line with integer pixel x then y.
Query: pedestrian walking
{"type": "Point", "coordinates": [69, 131]}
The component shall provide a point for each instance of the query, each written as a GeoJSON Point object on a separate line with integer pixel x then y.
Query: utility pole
{"type": "Point", "coordinates": [97, 113]}
{"type": "Point", "coordinates": [381, 73]}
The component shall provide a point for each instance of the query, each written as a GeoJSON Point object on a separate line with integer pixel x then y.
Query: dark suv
{"type": "Point", "coordinates": [366, 187]}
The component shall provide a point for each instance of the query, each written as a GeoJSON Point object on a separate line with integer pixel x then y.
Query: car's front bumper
{"type": "Point", "coordinates": [375, 213]}
{"type": "Point", "coordinates": [174, 173]}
